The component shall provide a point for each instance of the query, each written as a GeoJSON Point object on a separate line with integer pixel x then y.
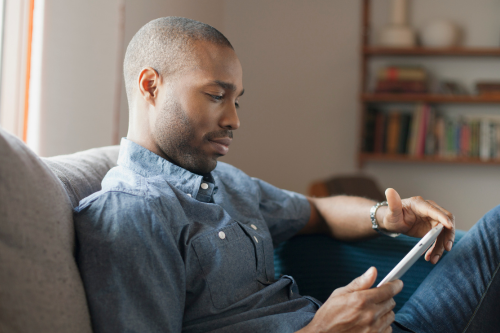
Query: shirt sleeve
{"type": "Point", "coordinates": [131, 268]}
{"type": "Point", "coordinates": [285, 212]}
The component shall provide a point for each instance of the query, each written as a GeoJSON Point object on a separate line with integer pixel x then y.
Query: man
{"type": "Point", "coordinates": [176, 242]}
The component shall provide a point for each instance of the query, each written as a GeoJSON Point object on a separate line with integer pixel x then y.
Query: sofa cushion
{"type": "Point", "coordinates": [81, 173]}
{"type": "Point", "coordinates": [321, 264]}
{"type": "Point", "coordinates": [40, 287]}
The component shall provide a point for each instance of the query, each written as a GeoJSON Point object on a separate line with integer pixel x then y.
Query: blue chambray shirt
{"type": "Point", "coordinates": [161, 249]}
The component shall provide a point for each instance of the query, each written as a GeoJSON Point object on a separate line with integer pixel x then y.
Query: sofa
{"type": "Point", "coordinates": [40, 286]}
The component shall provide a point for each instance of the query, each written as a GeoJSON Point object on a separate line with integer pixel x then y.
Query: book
{"type": "Point", "coordinates": [379, 133]}
{"type": "Point", "coordinates": [430, 142]}
{"type": "Point", "coordinates": [493, 141]}
{"type": "Point", "coordinates": [393, 129]}
{"type": "Point", "coordinates": [369, 141]}
{"type": "Point", "coordinates": [414, 127]}
{"type": "Point", "coordinates": [450, 137]}
{"type": "Point", "coordinates": [464, 139]}
{"type": "Point", "coordinates": [422, 131]}
{"type": "Point", "coordinates": [439, 131]}
{"type": "Point", "coordinates": [484, 139]}
{"type": "Point", "coordinates": [404, 133]}
{"type": "Point", "coordinates": [497, 134]}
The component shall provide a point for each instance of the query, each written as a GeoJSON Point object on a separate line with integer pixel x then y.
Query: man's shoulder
{"type": "Point", "coordinates": [122, 188]}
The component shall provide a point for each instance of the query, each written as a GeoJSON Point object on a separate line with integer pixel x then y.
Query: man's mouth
{"type": "Point", "coordinates": [221, 145]}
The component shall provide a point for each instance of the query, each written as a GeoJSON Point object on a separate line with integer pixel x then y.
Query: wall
{"type": "Point", "coordinates": [298, 115]}
{"type": "Point", "coordinates": [78, 75]}
{"type": "Point", "coordinates": [301, 74]}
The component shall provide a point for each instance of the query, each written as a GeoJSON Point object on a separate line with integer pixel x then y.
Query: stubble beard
{"type": "Point", "coordinates": [174, 134]}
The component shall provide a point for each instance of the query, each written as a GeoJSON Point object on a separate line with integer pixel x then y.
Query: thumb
{"type": "Point", "coordinates": [363, 282]}
{"type": "Point", "coordinates": [394, 201]}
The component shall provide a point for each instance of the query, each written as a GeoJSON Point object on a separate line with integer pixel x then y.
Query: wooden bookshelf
{"type": "Point", "coordinates": [432, 52]}
{"type": "Point", "coordinates": [428, 98]}
{"type": "Point", "coordinates": [366, 98]}
{"type": "Point", "coordinates": [376, 157]}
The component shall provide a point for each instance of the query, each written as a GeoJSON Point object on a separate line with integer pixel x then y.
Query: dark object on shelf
{"type": "Point", "coordinates": [361, 186]}
{"type": "Point", "coordinates": [401, 86]}
{"type": "Point", "coordinates": [451, 88]}
{"type": "Point", "coordinates": [488, 88]}
{"type": "Point", "coordinates": [399, 73]}
{"type": "Point", "coordinates": [402, 79]}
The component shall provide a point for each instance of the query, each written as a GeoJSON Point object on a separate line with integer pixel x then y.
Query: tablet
{"type": "Point", "coordinates": [422, 246]}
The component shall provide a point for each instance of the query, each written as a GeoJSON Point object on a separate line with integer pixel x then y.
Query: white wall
{"type": "Point", "coordinates": [298, 115]}
{"type": "Point", "coordinates": [78, 75]}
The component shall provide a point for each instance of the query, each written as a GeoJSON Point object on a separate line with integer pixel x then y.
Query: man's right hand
{"type": "Point", "coordinates": [357, 308]}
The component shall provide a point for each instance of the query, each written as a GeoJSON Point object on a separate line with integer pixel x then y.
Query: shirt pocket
{"type": "Point", "coordinates": [230, 264]}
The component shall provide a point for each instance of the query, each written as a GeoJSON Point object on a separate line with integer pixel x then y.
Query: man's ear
{"type": "Point", "coordinates": [149, 80]}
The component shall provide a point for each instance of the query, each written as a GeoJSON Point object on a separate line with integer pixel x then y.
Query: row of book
{"type": "Point", "coordinates": [426, 132]}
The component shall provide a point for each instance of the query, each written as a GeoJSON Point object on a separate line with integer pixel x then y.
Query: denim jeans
{"type": "Point", "coordinates": [462, 294]}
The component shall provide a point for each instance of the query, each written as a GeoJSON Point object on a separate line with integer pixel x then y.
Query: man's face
{"type": "Point", "coordinates": [195, 119]}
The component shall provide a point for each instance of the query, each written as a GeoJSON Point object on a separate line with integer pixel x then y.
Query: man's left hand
{"type": "Point", "coordinates": [415, 217]}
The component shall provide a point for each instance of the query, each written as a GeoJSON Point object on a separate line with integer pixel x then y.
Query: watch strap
{"type": "Point", "coordinates": [375, 226]}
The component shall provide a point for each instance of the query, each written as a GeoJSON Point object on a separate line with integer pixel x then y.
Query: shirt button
{"type": "Point", "coordinates": [189, 195]}
{"type": "Point", "coordinates": [255, 239]}
{"type": "Point", "coordinates": [253, 226]}
{"type": "Point", "coordinates": [222, 235]}
{"type": "Point", "coordinates": [204, 186]}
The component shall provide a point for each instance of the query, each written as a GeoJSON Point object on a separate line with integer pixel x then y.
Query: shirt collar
{"type": "Point", "coordinates": [146, 163]}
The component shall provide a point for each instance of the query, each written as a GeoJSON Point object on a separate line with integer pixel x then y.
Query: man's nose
{"type": "Point", "coordinates": [230, 119]}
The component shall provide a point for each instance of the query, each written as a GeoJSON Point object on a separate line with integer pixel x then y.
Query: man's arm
{"type": "Point", "coordinates": [348, 218]}
{"type": "Point", "coordinates": [356, 307]}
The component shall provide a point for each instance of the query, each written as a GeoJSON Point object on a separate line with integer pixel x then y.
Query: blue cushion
{"type": "Point", "coordinates": [321, 264]}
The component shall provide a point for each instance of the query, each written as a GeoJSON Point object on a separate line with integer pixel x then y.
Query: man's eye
{"type": "Point", "coordinates": [217, 97]}
{"type": "Point", "coordinates": [237, 105]}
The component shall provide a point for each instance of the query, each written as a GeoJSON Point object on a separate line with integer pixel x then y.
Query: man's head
{"type": "Point", "coordinates": [183, 81]}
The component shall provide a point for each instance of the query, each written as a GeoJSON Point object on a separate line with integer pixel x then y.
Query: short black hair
{"type": "Point", "coordinates": [164, 44]}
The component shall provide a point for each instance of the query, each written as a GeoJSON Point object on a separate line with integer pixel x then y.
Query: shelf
{"type": "Point", "coordinates": [421, 51]}
{"type": "Point", "coordinates": [427, 98]}
{"type": "Point", "coordinates": [376, 157]}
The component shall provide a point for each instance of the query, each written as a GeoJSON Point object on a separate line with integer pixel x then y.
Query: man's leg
{"type": "Point", "coordinates": [462, 294]}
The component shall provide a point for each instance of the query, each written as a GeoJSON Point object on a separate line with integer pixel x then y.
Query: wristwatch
{"type": "Point", "coordinates": [375, 226]}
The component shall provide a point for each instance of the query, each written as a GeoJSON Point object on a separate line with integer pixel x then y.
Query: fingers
{"type": "Point", "coordinates": [385, 307]}
{"type": "Point", "coordinates": [428, 253]}
{"type": "Point", "coordinates": [386, 321]}
{"type": "Point", "coordinates": [450, 216]}
{"type": "Point", "coordinates": [362, 282]}
{"type": "Point", "coordinates": [384, 292]}
{"type": "Point", "coordinates": [449, 233]}
{"type": "Point", "coordinates": [428, 209]}
{"type": "Point", "coordinates": [444, 241]}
